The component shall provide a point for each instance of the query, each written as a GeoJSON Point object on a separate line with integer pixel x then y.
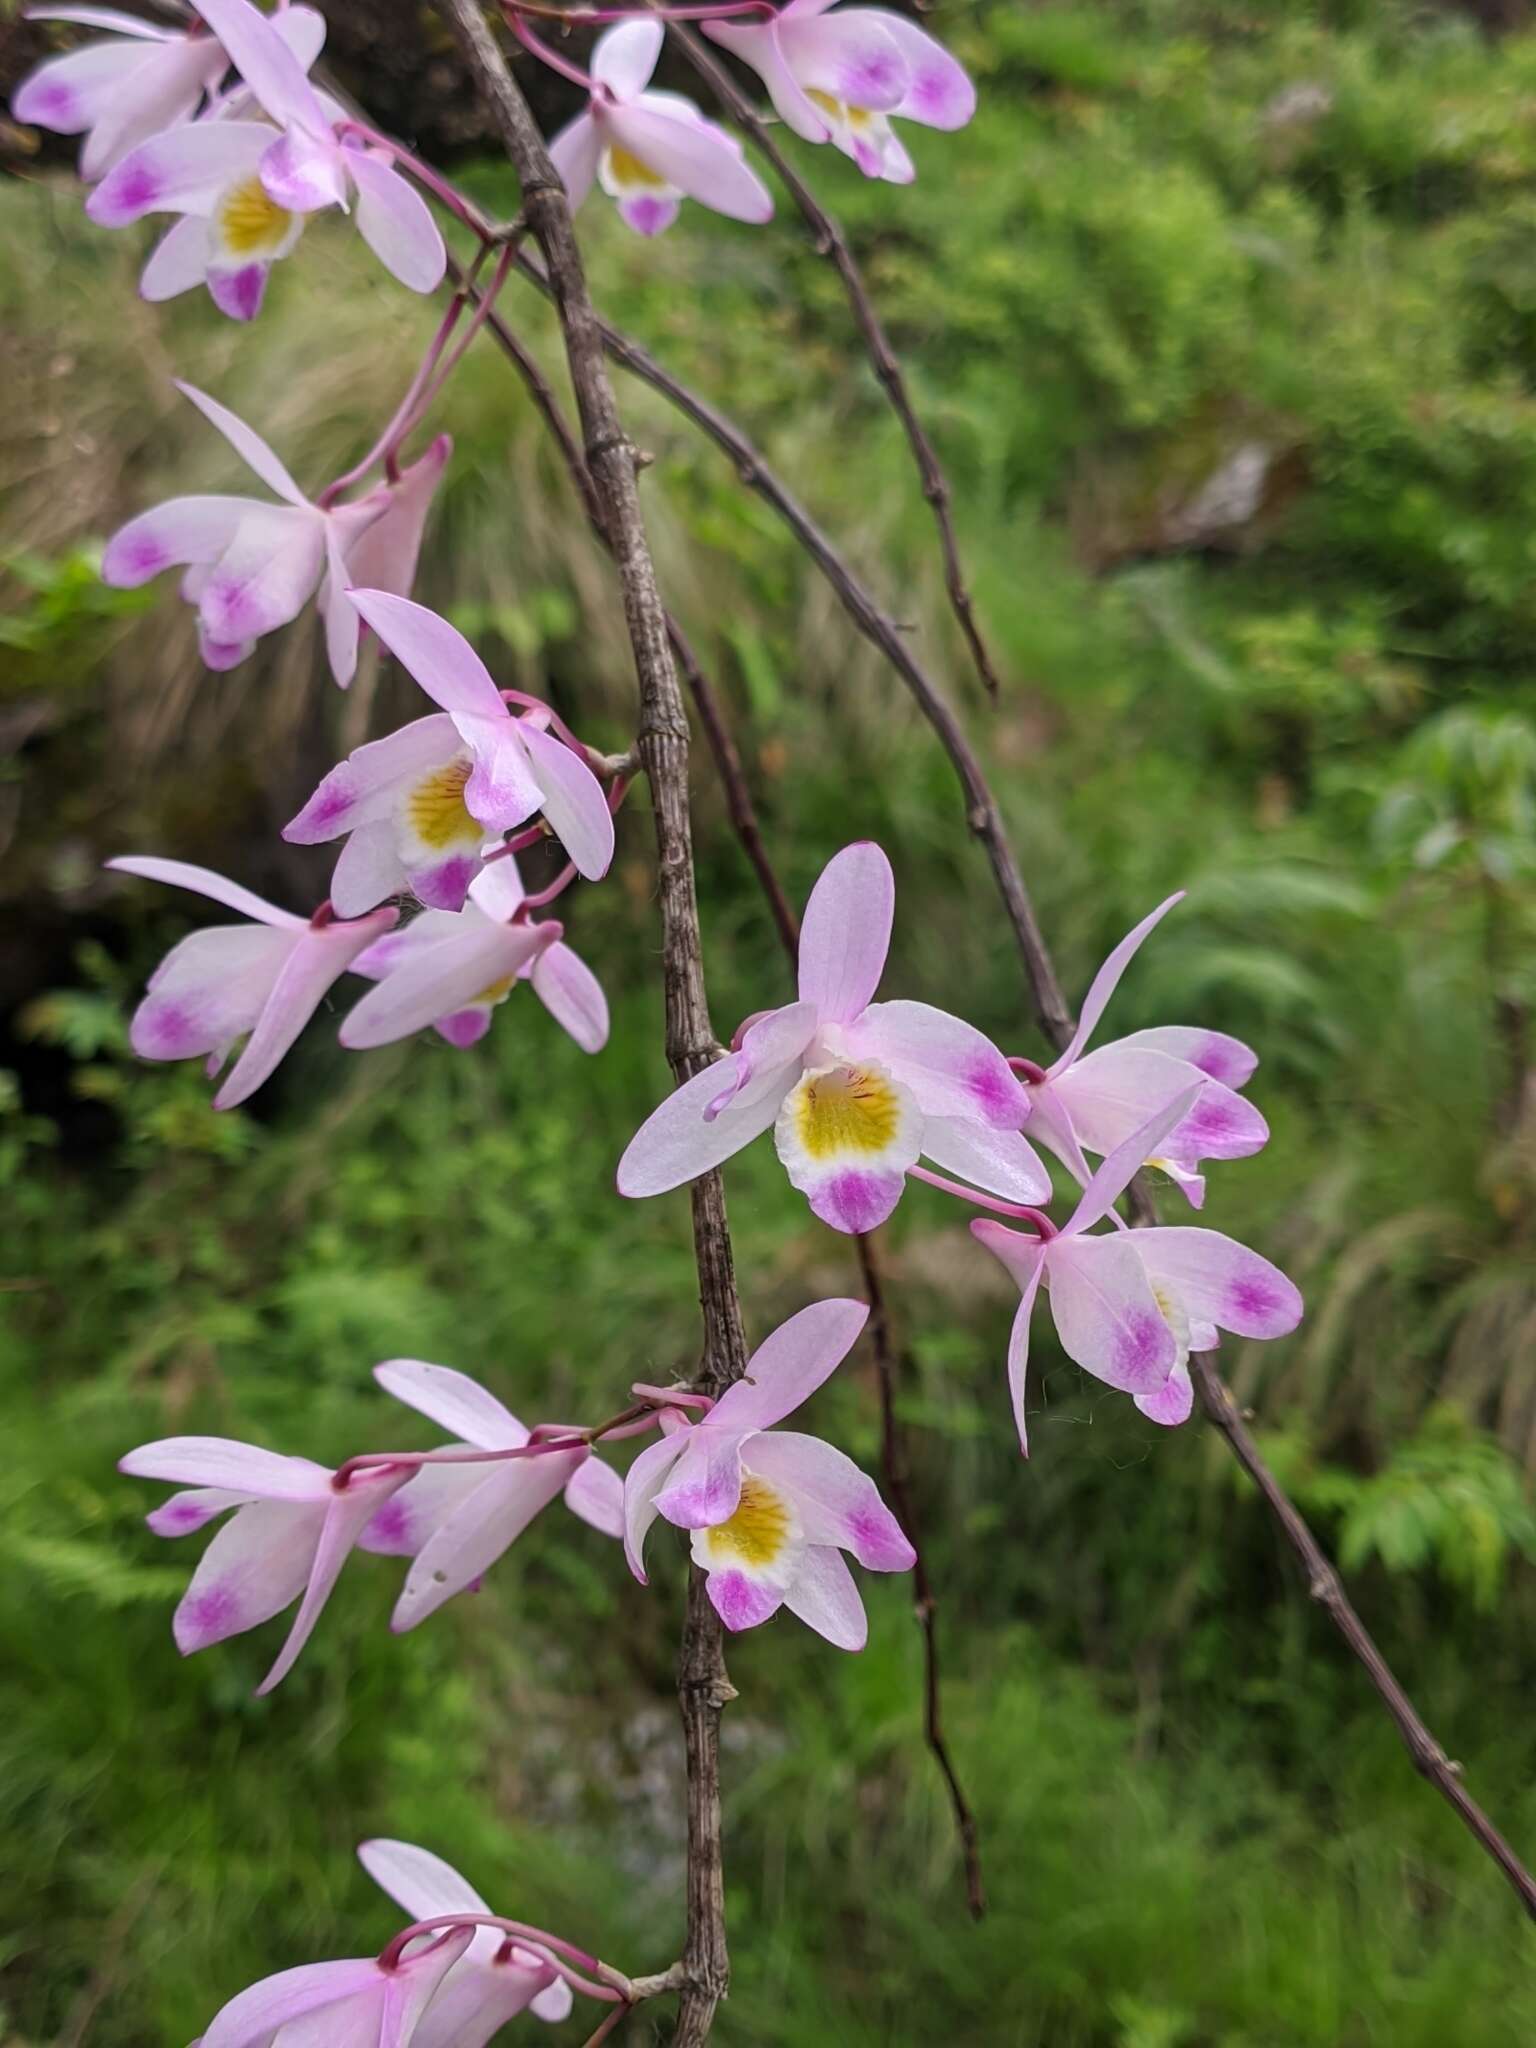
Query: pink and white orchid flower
{"type": "Point", "coordinates": [356, 2004]}
{"type": "Point", "coordinates": [494, 1980]}
{"type": "Point", "coordinates": [1130, 1305]}
{"type": "Point", "coordinates": [771, 1513]}
{"type": "Point", "coordinates": [267, 978]}
{"type": "Point", "coordinates": [290, 1533]}
{"type": "Point", "coordinates": [118, 94]}
{"type": "Point", "coordinates": [651, 150]}
{"type": "Point", "coordinates": [252, 567]}
{"type": "Point", "coordinates": [244, 187]}
{"type": "Point", "coordinates": [425, 967]}
{"type": "Point", "coordinates": [1091, 1102]}
{"type": "Point", "coordinates": [856, 1090]}
{"type": "Point", "coordinates": [844, 77]}
{"type": "Point", "coordinates": [456, 1520]}
{"type": "Point", "coordinates": [504, 768]}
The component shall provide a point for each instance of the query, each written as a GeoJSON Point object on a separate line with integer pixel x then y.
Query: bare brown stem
{"type": "Point", "coordinates": [833, 243]}
{"type": "Point", "coordinates": [609, 457]}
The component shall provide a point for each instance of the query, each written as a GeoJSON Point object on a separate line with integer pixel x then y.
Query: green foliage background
{"type": "Point", "coordinates": [1176, 232]}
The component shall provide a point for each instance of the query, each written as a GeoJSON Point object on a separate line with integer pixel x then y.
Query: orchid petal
{"type": "Point", "coordinates": [70, 94]}
{"type": "Point", "coordinates": [705, 1487]}
{"type": "Point", "coordinates": [442, 979]}
{"type": "Point", "coordinates": [183, 171]}
{"type": "Point", "coordinates": [1002, 1162]}
{"type": "Point", "coordinates": [575, 153]}
{"type": "Point", "coordinates": [1024, 1256]}
{"type": "Point", "coordinates": [573, 801]}
{"type": "Point", "coordinates": [220, 1461]}
{"type": "Point", "coordinates": [435, 653]}
{"type": "Point", "coordinates": [643, 1481]}
{"type": "Point", "coordinates": [952, 1069]}
{"type": "Point", "coordinates": [178, 261]}
{"type": "Point", "coordinates": [838, 1504]}
{"type": "Point", "coordinates": [453, 1401]}
{"type": "Point", "coordinates": [742, 1602]}
{"type": "Point", "coordinates": [939, 93]}
{"type": "Point", "coordinates": [1120, 1167]}
{"type": "Point", "coordinates": [846, 932]}
{"type": "Point", "coordinates": [1220, 1281]}
{"type": "Point", "coordinates": [208, 991]}
{"type": "Point", "coordinates": [675, 1144]}
{"type": "Point", "coordinates": [365, 788]}
{"type": "Point", "coordinates": [254, 1568]}
{"type": "Point", "coordinates": [571, 993]}
{"type": "Point", "coordinates": [789, 1365]}
{"type": "Point", "coordinates": [181, 531]}
{"type": "Point", "coordinates": [1217, 1055]}
{"type": "Point", "coordinates": [266, 575]}
{"type": "Point", "coordinates": [624, 57]}
{"type": "Point", "coordinates": [181, 874]}
{"type": "Point", "coordinates": [695, 156]}
{"type": "Point", "coordinates": [1106, 1314]}
{"type": "Point", "coordinates": [850, 57]}
{"type": "Point", "coordinates": [320, 958]}
{"type": "Point", "coordinates": [257, 2013]}
{"type": "Point", "coordinates": [758, 45]}
{"type": "Point", "coordinates": [385, 555]}
{"type": "Point", "coordinates": [824, 1596]}
{"type": "Point", "coordinates": [1173, 1401]}
{"type": "Point", "coordinates": [401, 1527]}
{"type": "Point", "coordinates": [1105, 982]}
{"type": "Point", "coordinates": [108, 18]}
{"type": "Point", "coordinates": [252, 450]}
{"type": "Point", "coordinates": [396, 223]}
{"type": "Point", "coordinates": [347, 1514]}
{"type": "Point", "coordinates": [595, 1493]}
{"type": "Point", "coordinates": [367, 869]}
{"type": "Point", "coordinates": [185, 1513]}
{"type": "Point", "coordinates": [274, 74]}
{"type": "Point", "coordinates": [489, 1522]}
{"type": "Point", "coordinates": [1110, 1093]}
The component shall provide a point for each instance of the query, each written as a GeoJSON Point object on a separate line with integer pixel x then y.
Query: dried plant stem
{"type": "Point", "coordinates": [877, 626]}
{"type": "Point", "coordinates": [744, 819]}
{"type": "Point", "coordinates": [609, 456]}
{"type": "Point", "coordinates": [833, 243]}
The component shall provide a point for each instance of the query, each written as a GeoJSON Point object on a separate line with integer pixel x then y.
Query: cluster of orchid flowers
{"type": "Point", "coordinates": [222, 127]}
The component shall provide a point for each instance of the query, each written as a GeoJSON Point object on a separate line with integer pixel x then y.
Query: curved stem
{"type": "Point", "coordinates": [978, 1199]}
{"type": "Point", "coordinates": [546, 55]}
{"type": "Point", "coordinates": [561, 1954]}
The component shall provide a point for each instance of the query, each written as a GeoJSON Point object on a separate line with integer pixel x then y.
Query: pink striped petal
{"type": "Point", "coordinates": [1221, 1281]}
{"type": "Point", "coordinates": [595, 1492]}
{"type": "Point", "coordinates": [851, 57]}
{"type": "Point", "coordinates": [320, 958]}
{"type": "Point", "coordinates": [950, 1067]}
{"type": "Point", "coordinates": [694, 155]}
{"type": "Point", "coordinates": [572, 800]}
{"type": "Point", "coordinates": [846, 932]}
{"type": "Point", "coordinates": [642, 1483]}
{"type": "Point", "coordinates": [182, 171]}
{"type": "Point", "coordinates": [1106, 1314]}
{"type": "Point", "coordinates": [823, 1595]}
{"type": "Point", "coordinates": [624, 57]}
{"type": "Point", "coordinates": [472, 1539]}
{"type": "Point", "coordinates": [453, 1401]}
{"type": "Point", "coordinates": [396, 223]}
{"type": "Point", "coordinates": [220, 1461]}
{"type": "Point", "coordinates": [180, 874]}
{"type": "Point", "coordinates": [789, 1365]}
{"type": "Point", "coordinates": [838, 1504]}
{"type": "Point", "coordinates": [1105, 982]}
{"type": "Point", "coordinates": [571, 993]}
{"type": "Point", "coordinates": [347, 1514]}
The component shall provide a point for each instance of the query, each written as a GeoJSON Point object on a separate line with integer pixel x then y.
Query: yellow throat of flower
{"type": "Point", "coordinates": [846, 1110]}
{"type": "Point", "coordinates": [250, 222]}
{"type": "Point", "coordinates": [436, 807]}
{"type": "Point", "coordinates": [757, 1532]}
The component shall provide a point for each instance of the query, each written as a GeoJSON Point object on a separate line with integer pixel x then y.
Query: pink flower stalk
{"type": "Point", "coordinates": [426, 969]}
{"type": "Point", "coordinates": [244, 187]}
{"type": "Point", "coordinates": [844, 77]}
{"type": "Point", "coordinates": [771, 1514]}
{"type": "Point", "coordinates": [267, 978]}
{"type": "Point", "coordinates": [252, 567]}
{"type": "Point", "coordinates": [1130, 1305]}
{"type": "Point", "coordinates": [120, 93]}
{"type": "Point", "coordinates": [289, 1535]}
{"type": "Point", "coordinates": [856, 1090]}
{"type": "Point", "coordinates": [493, 1980]}
{"type": "Point", "coordinates": [360, 2004]}
{"type": "Point", "coordinates": [651, 150]}
{"type": "Point", "coordinates": [1092, 1102]}
{"type": "Point", "coordinates": [455, 1521]}
{"type": "Point", "coordinates": [504, 768]}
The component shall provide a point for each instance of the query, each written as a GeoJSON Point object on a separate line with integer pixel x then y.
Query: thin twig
{"type": "Point", "coordinates": [744, 818]}
{"type": "Point", "coordinates": [703, 1685]}
{"type": "Point", "coordinates": [832, 242]}
{"type": "Point", "coordinates": [1326, 1588]}
{"type": "Point", "coordinates": [877, 626]}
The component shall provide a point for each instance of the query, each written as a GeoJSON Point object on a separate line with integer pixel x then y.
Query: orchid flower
{"type": "Point", "coordinates": [499, 773]}
{"type": "Point", "coordinates": [770, 1514]}
{"type": "Point", "coordinates": [856, 1090]}
{"type": "Point", "coordinates": [252, 567]}
{"type": "Point", "coordinates": [844, 77]}
{"type": "Point", "coordinates": [1092, 1102]}
{"type": "Point", "coordinates": [119, 94]}
{"type": "Point", "coordinates": [651, 150]}
{"type": "Point", "coordinates": [426, 966]}
{"type": "Point", "coordinates": [456, 1520]}
{"type": "Point", "coordinates": [290, 1533]}
{"type": "Point", "coordinates": [244, 187]}
{"type": "Point", "coordinates": [267, 978]}
{"type": "Point", "coordinates": [493, 1980]}
{"type": "Point", "coordinates": [357, 2004]}
{"type": "Point", "coordinates": [1130, 1305]}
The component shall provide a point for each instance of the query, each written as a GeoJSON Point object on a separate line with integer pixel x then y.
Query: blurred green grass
{"type": "Point", "coordinates": [1171, 236]}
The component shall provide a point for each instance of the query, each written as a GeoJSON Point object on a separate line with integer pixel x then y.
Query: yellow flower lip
{"type": "Point", "coordinates": [850, 1110]}
{"type": "Point", "coordinates": [250, 222]}
{"type": "Point", "coordinates": [759, 1531]}
{"type": "Point", "coordinates": [630, 174]}
{"type": "Point", "coordinates": [436, 807]}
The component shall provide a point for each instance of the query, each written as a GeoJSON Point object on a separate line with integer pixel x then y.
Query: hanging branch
{"type": "Point", "coordinates": [744, 818]}
{"type": "Point", "coordinates": [1058, 1024]}
{"type": "Point", "coordinates": [877, 626]}
{"type": "Point", "coordinates": [703, 1685]}
{"type": "Point", "coordinates": [832, 242]}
